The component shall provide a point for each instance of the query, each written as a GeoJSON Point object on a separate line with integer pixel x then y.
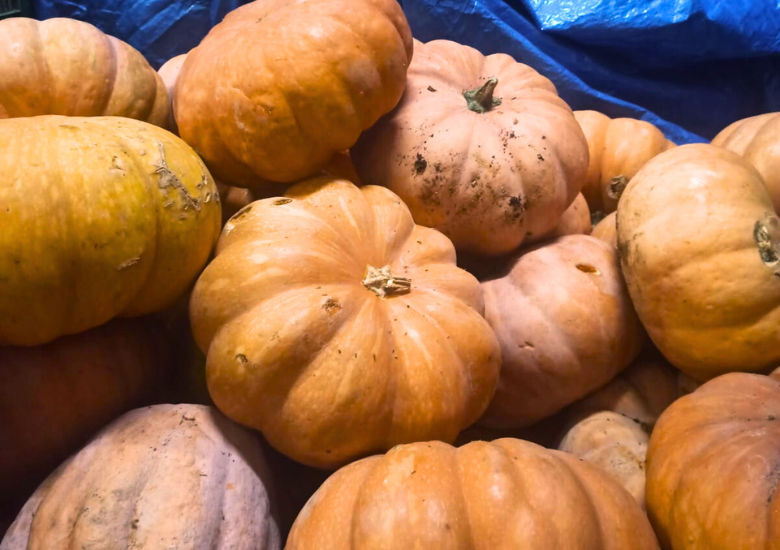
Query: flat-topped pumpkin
{"type": "Point", "coordinates": [280, 113]}
{"type": "Point", "coordinates": [507, 494]}
{"type": "Point", "coordinates": [338, 327]}
{"type": "Point", "coordinates": [101, 217]}
{"type": "Point", "coordinates": [481, 148]}
{"type": "Point", "coordinates": [699, 246]}
{"type": "Point", "coordinates": [66, 67]}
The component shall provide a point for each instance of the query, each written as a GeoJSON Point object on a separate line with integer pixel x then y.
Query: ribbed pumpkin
{"type": "Point", "coordinates": [67, 67]}
{"type": "Point", "coordinates": [611, 427]}
{"type": "Point", "coordinates": [757, 139]}
{"type": "Point", "coordinates": [338, 327]}
{"type": "Point", "coordinates": [606, 229]}
{"type": "Point", "coordinates": [101, 217]}
{"type": "Point", "coordinates": [168, 476]}
{"type": "Point", "coordinates": [480, 148]}
{"type": "Point", "coordinates": [566, 326]}
{"type": "Point", "coordinates": [713, 467]}
{"type": "Point", "coordinates": [169, 72]}
{"type": "Point", "coordinates": [575, 221]}
{"type": "Point", "coordinates": [506, 494]}
{"type": "Point", "coordinates": [280, 113]}
{"type": "Point", "coordinates": [54, 397]}
{"type": "Point", "coordinates": [618, 148]}
{"type": "Point", "coordinates": [699, 245]}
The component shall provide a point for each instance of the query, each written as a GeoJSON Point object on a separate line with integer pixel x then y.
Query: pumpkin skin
{"type": "Point", "coordinates": [256, 113]}
{"type": "Point", "coordinates": [66, 67]}
{"type": "Point", "coordinates": [54, 397]}
{"type": "Point", "coordinates": [618, 148]}
{"type": "Point", "coordinates": [169, 72]}
{"type": "Point", "coordinates": [757, 139]}
{"type": "Point", "coordinates": [121, 213]}
{"type": "Point", "coordinates": [566, 326]}
{"type": "Point", "coordinates": [606, 229]}
{"type": "Point", "coordinates": [168, 476]}
{"type": "Point", "coordinates": [611, 427]}
{"type": "Point", "coordinates": [501, 495]}
{"type": "Point", "coordinates": [712, 466]}
{"type": "Point", "coordinates": [303, 347]}
{"type": "Point", "coordinates": [575, 221]}
{"type": "Point", "coordinates": [486, 180]}
{"type": "Point", "coordinates": [699, 243]}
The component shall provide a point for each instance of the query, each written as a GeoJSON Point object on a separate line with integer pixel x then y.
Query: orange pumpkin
{"type": "Point", "coordinates": [575, 221]}
{"type": "Point", "coordinates": [757, 139]}
{"type": "Point", "coordinates": [54, 397]}
{"type": "Point", "coordinates": [566, 326]}
{"type": "Point", "coordinates": [256, 113]}
{"type": "Point", "coordinates": [482, 496]}
{"type": "Point", "coordinates": [606, 229]}
{"type": "Point", "coordinates": [337, 327]}
{"type": "Point", "coordinates": [618, 148]}
{"type": "Point", "coordinates": [67, 67]}
{"type": "Point", "coordinates": [169, 72]}
{"type": "Point", "coordinates": [713, 467]}
{"type": "Point", "coordinates": [699, 246]}
{"type": "Point", "coordinates": [488, 167]}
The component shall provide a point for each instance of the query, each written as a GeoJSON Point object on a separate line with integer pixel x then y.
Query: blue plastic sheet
{"type": "Point", "coordinates": [689, 66]}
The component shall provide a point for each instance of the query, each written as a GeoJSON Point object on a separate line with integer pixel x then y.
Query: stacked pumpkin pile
{"type": "Point", "coordinates": [319, 284]}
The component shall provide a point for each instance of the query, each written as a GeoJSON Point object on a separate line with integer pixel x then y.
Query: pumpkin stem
{"type": "Point", "coordinates": [616, 187]}
{"type": "Point", "coordinates": [481, 100]}
{"type": "Point", "coordinates": [383, 283]}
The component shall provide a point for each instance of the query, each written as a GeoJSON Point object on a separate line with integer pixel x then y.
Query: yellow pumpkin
{"type": "Point", "coordinates": [101, 217]}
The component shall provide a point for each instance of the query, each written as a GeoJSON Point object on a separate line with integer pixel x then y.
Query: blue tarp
{"type": "Point", "coordinates": [689, 66]}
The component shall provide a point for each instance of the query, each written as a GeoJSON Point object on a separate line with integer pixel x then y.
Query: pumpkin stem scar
{"type": "Point", "coordinates": [616, 187]}
{"type": "Point", "coordinates": [766, 233]}
{"type": "Point", "coordinates": [384, 284]}
{"type": "Point", "coordinates": [169, 180]}
{"type": "Point", "coordinates": [481, 100]}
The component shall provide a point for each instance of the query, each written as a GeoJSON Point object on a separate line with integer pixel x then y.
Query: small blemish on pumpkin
{"type": "Point", "coordinates": [431, 89]}
{"type": "Point", "coordinates": [526, 345]}
{"type": "Point", "coordinates": [420, 164]}
{"type": "Point", "coordinates": [771, 417]}
{"type": "Point", "coordinates": [230, 486]}
{"type": "Point", "coordinates": [540, 157]}
{"type": "Point", "coordinates": [241, 358]}
{"type": "Point", "coordinates": [134, 524]}
{"type": "Point", "coordinates": [586, 268]}
{"type": "Point", "coordinates": [279, 202]}
{"type": "Point", "coordinates": [128, 263]}
{"type": "Point", "coordinates": [331, 306]}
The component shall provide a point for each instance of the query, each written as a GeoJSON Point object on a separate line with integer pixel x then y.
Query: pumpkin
{"type": "Point", "coordinates": [256, 113]}
{"type": "Point", "coordinates": [168, 476]}
{"type": "Point", "coordinates": [606, 229]}
{"type": "Point", "coordinates": [757, 139]}
{"type": "Point", "coordinates": [699, 246]}
{"type": "Point", "coordinates": [338, 328]}
{"type": "Point", "coordinates": [169, 72]}
{"type": "Point", "coordinates": [575, 221]}
{"type": "Point", "coordinates": [120, 213]}
{"type": "Point", "coordinates": [67, 67]}
{"type": "Point", "coordinates": [618, 147]}
{"type": "Point", "coordinates": [611, 427]}
{"type": "Point", "coordinates": [54, 397]}
{"type": "Point", "coordinates": [566, 326]}
{"type": "Point", "coordinates": [489, 166]}
{"type": "Point", "coordinates": [712, 466]}
{"type": "Point", "coordinates": [505, 494]}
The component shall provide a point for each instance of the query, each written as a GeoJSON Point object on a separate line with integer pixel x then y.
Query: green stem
{"type": "Point", "coordinates": [481, 100]}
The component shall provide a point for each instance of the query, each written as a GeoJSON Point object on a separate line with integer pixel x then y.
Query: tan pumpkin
{"type": "Point", "coordinates": [757, 139]}
{"type": "Point", "coordinates": [618, 148]}
{"type": "Point", "coordinates": [54, 397]}
{"type": "Point", "coordinates": [712, 467]}
{"type": "Point", "coordinates": [116, 217]}
{"type": "Point", "coordinates": [699, 246]}
{"type": "Point", "coordinates": [169, 72]}
{"type": "Point", "coordinates": [168, 476]}
{"type": "Point", "coordinates": [489, 166]}
{"type": "Point", "coordinates": [338, 327]}
{"type": "Point", "coordinates": [256, 113]}
{"type": "Point", "coordinates": [575, 221]}
{"type": "Point", "coordinates": [606, 229]}
{"type": "Point", "coordinates": [566, 326]}
{"type": "Point", "coordinates": [482, 496]}
{"type": "Point", "coordinates": [611, 427]}
{"type": "Point", "coordinates": [67, 67]}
